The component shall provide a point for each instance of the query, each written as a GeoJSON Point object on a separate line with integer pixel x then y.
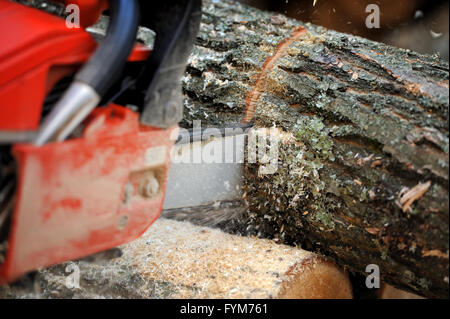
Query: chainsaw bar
{"type": "Point", "coordinates": [207, 167]}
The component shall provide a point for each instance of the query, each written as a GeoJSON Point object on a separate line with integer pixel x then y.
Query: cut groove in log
{"type": "Point", "coordinates": [367, 123]}
{"type": "Point", "coordinates": [259, 88]}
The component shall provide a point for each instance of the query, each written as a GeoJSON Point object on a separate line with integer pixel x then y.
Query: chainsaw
{"type": "Point", "coordinates": [88, 123]}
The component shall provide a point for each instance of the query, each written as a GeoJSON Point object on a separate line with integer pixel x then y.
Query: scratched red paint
{"type": "Point", "coordinates": [123, 144]}
{"type": "Point", "coordinates": [65, 204]}
{"type": "Point", "coordinates": [72, 203]}
{"type": "Point", "coordinates": [255, 94]}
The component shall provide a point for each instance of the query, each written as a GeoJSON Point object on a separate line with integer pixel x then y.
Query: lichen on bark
{"type": "Point", "coordinates": [363, 123]}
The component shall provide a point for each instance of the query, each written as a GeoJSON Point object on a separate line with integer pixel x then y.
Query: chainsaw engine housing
{"type": "Point", "coordinates": [100, 188]}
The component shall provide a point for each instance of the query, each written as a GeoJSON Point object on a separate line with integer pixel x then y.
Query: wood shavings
{"type": "Point", "coordinates": [362, 161]}
{"type": "Point", "coordinates": [373, 230]}
{"type": "Point", "coordinates": [413, 194]}
{"type": "Point", "coordinates": [376, 163]}
{"type": "Point", "coordinates": [211, 263]}
{"type": "Point", "coordinates": [201, 262]}
{"type": "Point", "coordinates": [435, 253]}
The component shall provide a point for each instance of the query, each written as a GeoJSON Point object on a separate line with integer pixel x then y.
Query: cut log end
{"type": "Point", "coordinates": [316, 278]}
{"type": "Point", "coordinates": [389, 292]}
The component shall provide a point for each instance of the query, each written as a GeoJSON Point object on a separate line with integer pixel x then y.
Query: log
{"type": "Point", "coordinates": [179, 260]}
{"type": "Point", "coordinates": [362, 170]}
{"type": "Point", "coordinates": [389, 292]}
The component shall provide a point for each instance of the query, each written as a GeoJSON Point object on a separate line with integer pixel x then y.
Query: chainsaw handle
{"type": "Point", "coordinates": [106, 64]}
{"type": "Point", "coordinates": [96, 76]}
{"type": "Point", "coordinates": [176, 24]}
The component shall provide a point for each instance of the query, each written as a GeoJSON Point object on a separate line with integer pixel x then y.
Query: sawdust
{"type": "Point", "coordinates": [435, 253]}
{"type": "Point", "coordinates": [413, 194]}
{"type": "Point", "coordinates": [211, 264]}
{"type": "Point", "coordinates": [175, 259]}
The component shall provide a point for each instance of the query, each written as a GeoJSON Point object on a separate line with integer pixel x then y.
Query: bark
{"type": "Point", "coordinates": [363, 159]}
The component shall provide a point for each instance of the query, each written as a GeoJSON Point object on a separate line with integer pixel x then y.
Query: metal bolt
{"type": "Point", "coordinates": [149, 186]}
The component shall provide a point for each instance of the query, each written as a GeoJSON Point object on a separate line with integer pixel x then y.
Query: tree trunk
{"type": "Point", "coordinates": [363, 161]}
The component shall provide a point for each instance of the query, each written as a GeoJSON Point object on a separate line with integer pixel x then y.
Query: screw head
{"type": "Point", "coordinates": [149, 186]}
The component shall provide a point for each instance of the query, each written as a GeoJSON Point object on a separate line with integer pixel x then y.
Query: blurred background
{"type": "Point", "coordinates": [419, 25]}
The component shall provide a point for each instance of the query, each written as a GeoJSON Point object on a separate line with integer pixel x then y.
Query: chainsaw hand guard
{"type": "Point", "coordinates": [176, 23]}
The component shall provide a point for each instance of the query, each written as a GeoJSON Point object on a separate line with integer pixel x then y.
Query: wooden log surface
{"type": "Point", "coordinates": [388, 292]}
{"type": "Point", "coordinates": [363, 155]}
{"type": "Point", "coordinates": [179, 260]}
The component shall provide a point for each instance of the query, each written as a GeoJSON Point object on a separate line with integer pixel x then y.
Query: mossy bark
{"type": "Point", "coordinates": [368, 123]}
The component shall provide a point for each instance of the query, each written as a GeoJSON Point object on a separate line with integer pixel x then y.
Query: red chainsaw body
{"type": "Point", "coordinates": [83, 195]}
{"type": "Point", "coordinates": [36, 51]}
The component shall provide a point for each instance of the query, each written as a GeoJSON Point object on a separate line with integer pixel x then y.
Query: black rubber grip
{"type": "Point", "coordinates": [106, 64]}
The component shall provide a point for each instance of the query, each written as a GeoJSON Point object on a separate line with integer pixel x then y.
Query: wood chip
{"type": "Point", "coordinates": [373, 230]}
{"type": "Point", "coordinates": [413, 194]}
{"type": "Point", "coordinates": [435, 253]}
{"type": "Point", "coordinates": [376, 163]}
